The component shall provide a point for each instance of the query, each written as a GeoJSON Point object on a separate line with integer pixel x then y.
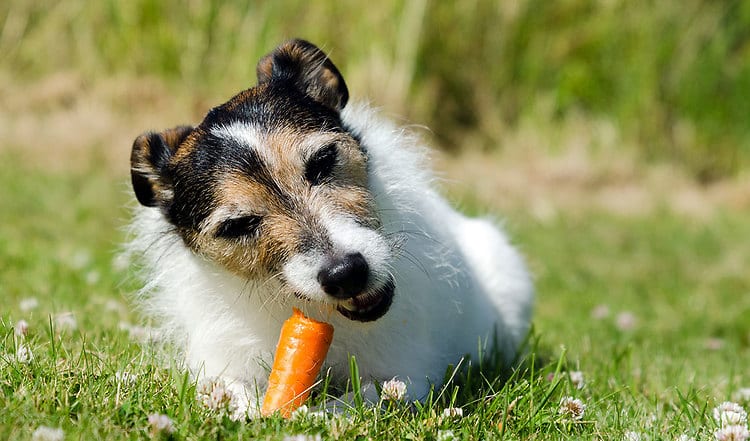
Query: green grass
{"type": "Point", "coordinates": [686, 283]}
{"type": "Point", "coordinates": [672, 75]}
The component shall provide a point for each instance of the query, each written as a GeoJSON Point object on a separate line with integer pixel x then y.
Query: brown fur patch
{"type": "Point", "coordinates": [149, 155]}
{"type": "Point", "coordinates": [309, 69]}
{"type": "Point", "coordinates": [291, 208]}
{"type": "Point", "coordinates": [243, 97]}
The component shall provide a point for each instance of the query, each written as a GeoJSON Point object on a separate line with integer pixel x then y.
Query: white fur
{"type": "Point", "coordinates": [301, 270]}
{"type": "Point", "coordinates": [458, 281]}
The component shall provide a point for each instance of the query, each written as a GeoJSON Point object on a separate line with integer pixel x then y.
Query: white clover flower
{"type": "Point", "coordinates": [66, 321]}
{"type": "Point", "coordinates": [393, 390]}
{"type": "Point", "coordinates": [600, 312]}
{"type": "Point", "coordinates": [319, 414]}
{"type": "Point", "coordinates": [80, 259]}
{"type": "Point", "coordinates": [304, 412]}
{"type": "Point", "coordinates": [626, 321]}
{"type": "Point", "coordinates": [576, 378]}
{"type": "Point", "coordinates": [453, 412]}
{"type": "Point", "coordinates": [684, 437]}
{"type": "Point", "coordinates": [214, 394]}
{"type": "Point", "coordinates": [28, 304]}
{"type": "Point", "coordinates": [446, 435]}
{"type": "Point", "coordinates": [632, 436]}
{"type": "Point", "coordinates": [713, 343]}
{"type": "Point", "coordinates": [113, 305]}
{"type": "Point", "coordinates": [160, 423]}
{"type": "Point", "coordinates": [24, 354]}
{"type": "Point", "coordinates": [742, 394]}
{"type": "Point", "coordinates": [732, 433]}
{"type": "Point", "coordinates": [572, 408]}
{"type": "Point", "coordinates": [300, 413]}
{"type": "Point", "coordinates": [44, 433]}
{"type": "Point", "coordinates": [143, 334]}
{"type": "Point", "coordinates": [730, 414]}
{"type": "Point", "coordinates": [126, 378]}
{"type": "Point", "coordinates": [21, 329]}
{"type": "Point", "coordinates": [92, 277]}
{"type": "Point", "coordinates": [302, 437]}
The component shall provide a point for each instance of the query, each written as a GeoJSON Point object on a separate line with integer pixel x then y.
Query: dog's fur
{"type": "Point", "coordinates": [286, 196]}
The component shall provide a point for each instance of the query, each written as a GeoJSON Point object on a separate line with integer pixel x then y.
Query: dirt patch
{"type": "Point", "coordinates": [68, 122]}
{"type": "Point", "coordinates": [65, 121]}
{"type": "Point", "coordinates": [581, 166]}
{"type": "Point", "coordinates": [545, 186]}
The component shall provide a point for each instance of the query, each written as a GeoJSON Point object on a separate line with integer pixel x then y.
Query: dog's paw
{"type": "Point", "coordinates": [244, 402]}
{"type": "Point", "coordinates": [344, 404]}
{"type": "Point", "coordinates": [230, 396]}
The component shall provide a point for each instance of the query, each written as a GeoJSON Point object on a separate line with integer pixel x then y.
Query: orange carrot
{"type": "Point", "coordinates": [302, 347]}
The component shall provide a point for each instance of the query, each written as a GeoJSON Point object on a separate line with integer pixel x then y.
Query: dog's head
{"type": "Point", "coordinates": [272, 185]}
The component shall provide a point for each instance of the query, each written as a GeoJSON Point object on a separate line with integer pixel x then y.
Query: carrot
{"type": "Point", "coordinates": [302, 347]}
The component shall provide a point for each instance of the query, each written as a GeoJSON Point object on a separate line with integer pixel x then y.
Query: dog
{"type": "Point", "coordinates": [287, 195]}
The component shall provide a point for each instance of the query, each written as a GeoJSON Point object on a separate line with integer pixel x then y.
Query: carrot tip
{"type": "Point", "coordinates": [302, 348]}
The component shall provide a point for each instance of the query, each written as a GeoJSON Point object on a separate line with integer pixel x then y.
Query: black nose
{"type": "Point", "coordinates": [344, 277]}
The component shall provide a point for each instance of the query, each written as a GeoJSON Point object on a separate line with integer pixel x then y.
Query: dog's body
{"type": "Point", "coordinates": [285, 196]}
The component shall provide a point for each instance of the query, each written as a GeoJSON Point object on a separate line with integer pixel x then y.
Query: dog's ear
{"type": "Point", "coordinates": [308, 69]}
{"type": "Point", "coordinates": [148, 160]}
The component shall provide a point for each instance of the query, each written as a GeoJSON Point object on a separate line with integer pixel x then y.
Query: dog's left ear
{"type": "Point", "coordinates": [149, 161]}
{"type": "Point", "coordinates": [308, 69]}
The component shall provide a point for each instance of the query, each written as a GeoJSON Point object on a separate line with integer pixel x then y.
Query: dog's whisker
{"type": "Point", "coordinates": [414, 233]}
{"type": "Point", "coordinates": [166, 235]}
{"type": "Point", "coordinates": [275, 277]}
{"type": "Point", "coordinates": [274, 297]}
{"type": "Point", "coordinates": [415, 261]}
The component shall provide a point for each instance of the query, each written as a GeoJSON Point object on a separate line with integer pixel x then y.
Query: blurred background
{"type": "Point", "coordinates": [619, 99]}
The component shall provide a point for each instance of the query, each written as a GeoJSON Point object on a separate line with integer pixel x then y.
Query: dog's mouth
{"type": "Point", "coordinates": [368, 306]}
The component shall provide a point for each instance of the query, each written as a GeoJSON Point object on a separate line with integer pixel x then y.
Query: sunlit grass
{"type": "Point", "coordinates": [683, 347]}
{"type": "Point", "coordinates": [650, 310]}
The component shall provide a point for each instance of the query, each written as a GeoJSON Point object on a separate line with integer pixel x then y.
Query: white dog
{"type": "Point", "coordinates": [285, 196]}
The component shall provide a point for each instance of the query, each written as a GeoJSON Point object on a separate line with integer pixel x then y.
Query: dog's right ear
{"type": "Point", "coordinates": [148, 160]}
{"type": "Point", "coordinates": [305, 67]}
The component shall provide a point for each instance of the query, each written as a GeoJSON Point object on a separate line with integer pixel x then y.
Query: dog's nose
{"type": "Point", "coordinates": [344, 277]}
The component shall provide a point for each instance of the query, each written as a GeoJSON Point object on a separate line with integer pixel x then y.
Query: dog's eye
{"type": "Point", "coordinates": [238, 227]}
{"type": "Point", "coordinates": [320, 166]}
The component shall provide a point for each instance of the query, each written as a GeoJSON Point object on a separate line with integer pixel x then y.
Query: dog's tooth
{"type": "Point", "coordinates": [349, 306]}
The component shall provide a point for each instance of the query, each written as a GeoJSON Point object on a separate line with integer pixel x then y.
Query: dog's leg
{"type": "Point", "coordinates": [238, 397]}
{"type": "Point", "coordinates": [367, 392]}
{"type": "Point", "coordinates": [415, 391]}
{"type": "Point", "coordinates": [245, 400]}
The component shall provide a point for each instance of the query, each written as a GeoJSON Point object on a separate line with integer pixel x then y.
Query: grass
{"type": "Point", "coordinates": [684, 283]}
{"type": "Point", "coordinates": [652, 308]}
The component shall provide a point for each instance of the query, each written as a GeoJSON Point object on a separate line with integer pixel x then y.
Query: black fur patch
{"type": "Point", "coordinates": [300, 65]}
{"type": "Point", "coordinates": [319, 168]}
{"type": "Point", "coordinates": [149, 158]}
{"type": "Point", "coordinates": [271, 108]}
{"type": "Point", "coordinates": [299, 88]}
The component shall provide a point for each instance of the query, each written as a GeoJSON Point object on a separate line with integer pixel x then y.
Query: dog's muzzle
{"type": "Point", "coordinates": [345, 278]}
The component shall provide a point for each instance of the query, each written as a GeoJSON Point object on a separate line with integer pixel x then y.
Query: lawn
{"type": "Point", "coordinates": [651, 310]}
{"type": "Point", "coordinates": [610, 137]}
